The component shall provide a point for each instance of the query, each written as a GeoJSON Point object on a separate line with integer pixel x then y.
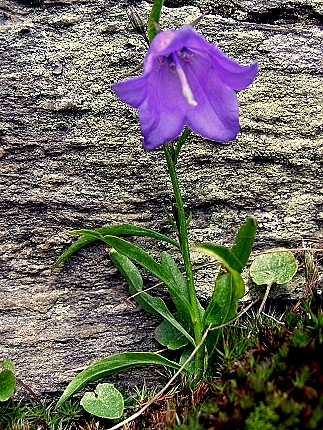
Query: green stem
{"type": "Point", "coordinates": [269, 285]}
{"type": "Point", "coordinates": [183, 238]}
{"type": "Point", "coordinates": [154, 18]}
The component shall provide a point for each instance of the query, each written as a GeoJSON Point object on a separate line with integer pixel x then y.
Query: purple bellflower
{"type": "Point", "coordinates": [186, 81]}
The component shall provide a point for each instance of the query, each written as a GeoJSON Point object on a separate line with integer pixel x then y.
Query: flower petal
{"type": "Point", "coordinates": [216, 115]}
{"type": "Point", "coordinates": [186, 80]}
{"type": "Point", "coordinates": [132, 91]}
{"type": "Point", "coordinates": [167, 42]}
{"type": "Point", "coordinates": [231, 73]}
{"type": "Point", "coordinates": [162, 113]}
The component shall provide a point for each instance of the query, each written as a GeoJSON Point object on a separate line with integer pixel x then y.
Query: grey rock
{"type": "Point", "coordinates": [70, 158]}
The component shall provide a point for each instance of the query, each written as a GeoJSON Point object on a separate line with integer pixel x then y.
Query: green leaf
{"type": "Point", "coordinates": [238, 256]}
{"type": "Point", "coordinates": [7, 384]}
{"type": "Point", "coordinates": [275, 267]}
{"type": "Point", "coordinates": [134, 280]}
{"type": "Point", "coordinates": [154, 17]}
{"type": "Point", "coordinates": [158, 304]}
{"type": "Point", "coordinates": [7, 365]}
{"type": "Point", "coordinates": [168, 335]}
{"type": "Point", "coordinates": [229, 286]}
{"type": "Point", "coordinates": [180, 143]}
{"type": "Point", "coordinates": [154, 305]}
{"type": "Point", "coordinates": [147, 262]}
{"type": "Point", "coordinates": [129, 230]}
{"type": "Point", "coordinates": [105, 402]}
{"type": "Point", "coordinates": [211, 346]}
{"type": "Point", "coordinates": [229, 289]}
{"type": "Point", "coordinates": [110, 365]}
{"type": "Point", "coordinates": [244, 240]}
{"type": "Point", "coordinates": [80, 243]}
{"type": "Point", "coordinates": [222, 254]}
{"type": "Point", "coordinates": [181, 292]}
{"type": "Point", "coordinates": [190, 367]}
{"type": "Point", "coordinates": [178, 278]}
{"type": "Point", "coordinates": [138, 255]}
{"type": "Point", "coordinates": [90, 236]}
{"type": "Point", "coordinates": [171, 267]}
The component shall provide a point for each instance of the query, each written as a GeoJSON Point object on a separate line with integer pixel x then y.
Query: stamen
{"type": "Point", "coordinates": [160, 60]}
{"type": "Point", "coordinates": [185, 56]}
{"type": "Point", "coordinates": [172, 66]}
{"type": "Point", "coordinates": [186, 90]}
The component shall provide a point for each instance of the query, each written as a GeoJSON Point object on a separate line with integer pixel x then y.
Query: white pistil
{"type": "Point", "coordinates": [186, 90]}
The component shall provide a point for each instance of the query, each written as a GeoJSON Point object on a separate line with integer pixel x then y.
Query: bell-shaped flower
{"type": "Point", "coordinates": [186, 81]}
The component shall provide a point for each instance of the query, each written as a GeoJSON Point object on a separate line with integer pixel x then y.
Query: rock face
{"type": "Point", "coordinates": [70, 157]}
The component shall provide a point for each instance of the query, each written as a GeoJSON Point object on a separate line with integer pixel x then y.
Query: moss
{"type": "Point", "coordinates": [278, 384]}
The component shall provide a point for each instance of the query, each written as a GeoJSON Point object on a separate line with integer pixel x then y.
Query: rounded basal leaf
{"type": "Point", "coordinates": [275, 267]}
{"type": "Point", "coordinates": [7, 364]}
{"type": "Point", "coordinates": [105, 402]}
{"type": "Point", "coordinates": [7, 384]}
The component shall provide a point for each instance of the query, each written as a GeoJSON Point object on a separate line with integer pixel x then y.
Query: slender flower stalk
{"type": "Point", "coordinates": [187, 83]}
{"type": "Point", "coordinates": [196, 319]}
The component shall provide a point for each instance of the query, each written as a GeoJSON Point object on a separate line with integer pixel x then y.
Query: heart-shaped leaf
{"type": "Point", "coordinates": [105, 402]}
{"type": "Point", "coordinates": [7, 384]}
{"type": "Point", "coordinates": [274, 267]}
{"type": "Point", "coordinates": [7, 365]}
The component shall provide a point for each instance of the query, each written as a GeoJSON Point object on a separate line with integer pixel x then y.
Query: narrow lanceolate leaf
{"type": "Point", "coordinates": [90, 236]}
{"type": "Point", "coordinates": [80, 243]}
{"type": "Point", "coordinates": [222, 254]}
{"type": "Point", "coordinates": [114, 364]}
{"type": "Point", "coordinates": [147, 262]}
{"type": "Point", "coordinates": [169, 264]}
{"type": "Point", "coordinates": [173, 270]}
{"type": "Point", "coordinates": [141, 257]}
{"type": "Point", "coordinates": [168, 335]}
{"type": "Point", "coordinates": [130, 230]}
{"type": "Point", "coordinates": [154, 305]}
{"type": "Point", "coordinates": [244, 240]}
{"type": "Point", "coordinates": [138, 255]}
{"type": "Point", "coordinates": [134, 280]}
{"type": "Point", "coordinates": [229, 289]}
